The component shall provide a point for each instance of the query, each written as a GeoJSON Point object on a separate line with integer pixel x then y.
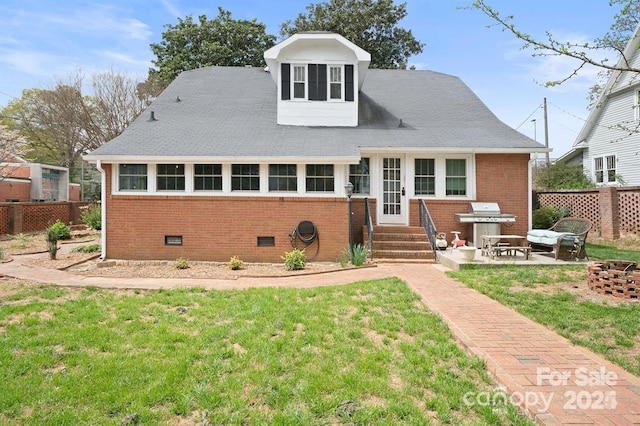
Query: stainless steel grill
{"type": "Point", "coordinates": [486, 218]}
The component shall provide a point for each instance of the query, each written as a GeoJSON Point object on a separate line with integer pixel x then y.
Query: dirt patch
{"type": "Point", "coordinates": [578, 288]}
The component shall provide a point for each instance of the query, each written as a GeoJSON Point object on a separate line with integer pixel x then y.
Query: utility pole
{"type": "Point", "coordinates": [546, 131]}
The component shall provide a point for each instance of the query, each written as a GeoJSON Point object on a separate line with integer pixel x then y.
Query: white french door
{"type": "Point", "coordinates": [393, 208]}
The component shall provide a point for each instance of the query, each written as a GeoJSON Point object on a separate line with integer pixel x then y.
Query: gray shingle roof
{"type": "Point", "coordinates": [231, 112]}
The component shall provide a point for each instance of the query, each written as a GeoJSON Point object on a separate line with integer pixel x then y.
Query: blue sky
{"type": "Point", "coordinates": [41, 40]}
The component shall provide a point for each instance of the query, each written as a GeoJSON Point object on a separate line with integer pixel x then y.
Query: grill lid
{"type": "Point", "coordinates": [484, 208]}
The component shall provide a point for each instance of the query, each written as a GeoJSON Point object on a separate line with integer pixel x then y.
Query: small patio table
{"type": "Point", "coordinates": [497, 245]}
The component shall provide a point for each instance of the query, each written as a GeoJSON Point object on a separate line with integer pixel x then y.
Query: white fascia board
{"type": "Point", "coordinates": [106, 159]}
{"type": "Point", "coordinates": [365, 151]}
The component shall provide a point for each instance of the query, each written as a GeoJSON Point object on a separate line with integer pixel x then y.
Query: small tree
{"type": "Point", "coordinates": [562, 176]}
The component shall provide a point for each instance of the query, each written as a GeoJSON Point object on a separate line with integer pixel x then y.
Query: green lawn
{"type": "Point", "coordinates": [541, 293]}
{"type": "Point", "coordinates": [366, 353]}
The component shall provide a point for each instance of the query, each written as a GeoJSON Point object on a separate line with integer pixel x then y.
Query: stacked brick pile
{"type": "Point", "coordinates": [619, 278]}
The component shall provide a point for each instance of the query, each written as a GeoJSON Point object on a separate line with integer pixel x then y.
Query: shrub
{"type": "Point", "coordinates": [92, 217]}
{"type": "Point", "coordinates": [235, 263]}
{"type": "Point", "coordinates": [545, 217]}
{"type": "Point", "coordinates": [52, 235]}
{"type": "Point", "coordinates": [358, 254]}
{"type": "Point", "coordinates": [182, 263]}
{"type": "Point", "coordinates": [63, 231]}
{"type": "Point", "coordinates": [294, 260]}
{"type": "Point", "coordinates": [91, 248]}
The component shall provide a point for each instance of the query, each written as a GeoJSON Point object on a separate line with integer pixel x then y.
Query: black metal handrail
{"type": "Point", "coordinates": [368, 222]}
{"type": "Point", "coordinates": [426, 221]}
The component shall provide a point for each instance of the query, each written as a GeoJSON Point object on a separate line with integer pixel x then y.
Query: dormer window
{"type": "Point", "coordinates": [335, 82]}
{"type": "Point", "coordinates": [317, 82]}
{"type": "Point", "coordinates": [299, 72]}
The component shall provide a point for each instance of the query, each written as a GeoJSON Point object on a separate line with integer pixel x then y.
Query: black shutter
{"type": "Point", "coordinates": [285, 71]}
{"type": "Point", "coordinates": [348, 83]}
{"type": "Point", "coordinates": [317, 82]}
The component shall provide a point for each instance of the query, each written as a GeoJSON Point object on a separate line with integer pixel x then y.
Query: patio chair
{"type": "Point", "coordinates": [567, 238]}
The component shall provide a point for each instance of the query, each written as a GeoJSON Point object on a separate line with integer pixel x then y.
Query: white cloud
{"type": "Point", "coordinates": [543, 68]}
{"type": "Point", "coordinates": [171, 8]}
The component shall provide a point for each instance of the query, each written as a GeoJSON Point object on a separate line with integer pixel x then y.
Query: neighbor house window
{"type": "Point", "coordinates": [207, 177]}
{"type": "Point", "coordinates": [456, 177]}
{"type": "Point", "coordinates": [282, 177]}
{"type": "Point", "coordinates": [603, 175]}
{"type": "Point", "coordinates": [335, 82]}
{"type": "Point", "coordinates": [611, 168]}
{"type": "Point", "coordinates": [170, 177]}
{"type": "Point", "coordinates": [245, 177]}
{"type": "Point", "coordinates": [636, 105]}
{"type": "Point", "coordinates": [320, 178]}
{"type": "Point", "coordinates": [359, 176]}
{"type": "Point", "coordinates": [299, 79]}
{"type": "Point", "coordinates": [425, 176]}
{"type": "Point", "coordinates": [132, 177]}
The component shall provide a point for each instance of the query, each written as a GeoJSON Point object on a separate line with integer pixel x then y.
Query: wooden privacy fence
{"type": "Point", "coordinates": [612, 210]}
{"type": "Point", "coordinates": [33, 217]}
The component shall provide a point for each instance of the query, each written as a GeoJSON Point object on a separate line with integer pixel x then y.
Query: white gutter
{"type": "Point", "coordinates": [532, 161]}
{"type": "Point", "coordinates": [103, 209]}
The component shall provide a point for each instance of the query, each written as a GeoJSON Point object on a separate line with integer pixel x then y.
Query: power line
{"type": "Point", "coordinates": [529, 116]}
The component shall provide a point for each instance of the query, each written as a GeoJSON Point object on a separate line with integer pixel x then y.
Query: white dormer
{"type": "Point", "coordinates": [319, 76]}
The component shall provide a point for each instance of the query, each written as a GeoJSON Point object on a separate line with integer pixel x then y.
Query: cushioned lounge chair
{"type": "Point", "coordinates": [566, 238]}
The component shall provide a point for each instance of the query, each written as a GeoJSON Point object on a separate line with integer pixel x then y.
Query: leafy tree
{"type": "Point", "coordinates": [222, 41]}
{"type": "Point", "coordinates": [585, 54]}
{"type": "Point", "coordinates": [370, 24]}
{"type": "Point", "coordinates": [62, 124]}
{"type": "Point", "coordinates": [562, 176]}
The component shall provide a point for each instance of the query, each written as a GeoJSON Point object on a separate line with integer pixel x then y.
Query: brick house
{"type": "Point", "coordinates": [228, 161]}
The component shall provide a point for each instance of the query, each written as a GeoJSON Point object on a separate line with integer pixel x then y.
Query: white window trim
{"type": "Point", "coordinates": [636, 106]}
{"type": "Point", "coordinates": [339, 175]}
{"type": "Point", "coordinates": [605, 170]}
{"type": "Point", "coordinates": [329, 65]}
{"type": "Point", "coordinates": [441, 172]}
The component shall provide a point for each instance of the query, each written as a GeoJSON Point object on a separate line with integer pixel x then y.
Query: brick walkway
{"type": "Point", "coordinates": [555, 381]}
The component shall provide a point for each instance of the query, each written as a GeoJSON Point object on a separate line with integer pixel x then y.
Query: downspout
{"type": "Point", "coordinates": [532, 161]}
{"type": "Point", "coordinates": [103, 209]}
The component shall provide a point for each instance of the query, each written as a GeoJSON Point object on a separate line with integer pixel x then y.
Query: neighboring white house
{"type": "Point", "coordinates": [608, 146]}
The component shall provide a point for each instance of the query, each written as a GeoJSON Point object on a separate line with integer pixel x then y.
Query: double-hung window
{"type": "Point", "coordinates": [611, 168]}
{"type": "Point", "coordinates": [207, 177]}
{"type": "Point", "coordinates": [335, 82]}
{"type": "Point", "coordinates": [282, 177]}
{"type": "Point", "coordinates": [170, 177]}
{"type": "Point", "coordinates": [425, 176]}
{"type": "Point", "coordinates": [132, 177]}
{"type": "Point", "coordinates": [245, 177]}
{"type": "Point", "coordinates": [605, 169]}
{"type": "Point", "coordinates": [360, 177]}
{"type": "Point", "coordinates": [320, 178]}
{"type": "Point", "coordinates": [456, 177]}
{"type": "Point", "coordinates": [299, 81]}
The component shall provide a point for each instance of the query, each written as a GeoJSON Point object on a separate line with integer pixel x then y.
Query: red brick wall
{"type": "Point", "coordinates": [35, 217]}
{"type": "Point", "coordinates": [15, 190]}
{"type": "Point", "coordinates": [4, 219]}
{"type": "Point", "coordinates": [504, 179]}
{"type": "Point", "coordinates": [214, 228]}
